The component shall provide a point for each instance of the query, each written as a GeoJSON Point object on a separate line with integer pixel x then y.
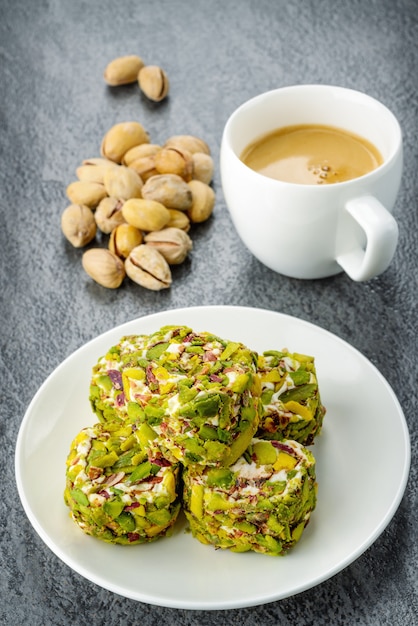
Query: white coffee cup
{"type": "Point", "coordinates": [314, 231]}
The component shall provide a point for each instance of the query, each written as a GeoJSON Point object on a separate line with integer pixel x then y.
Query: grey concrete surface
{"type": "Point", "coordinates": [54, 110]}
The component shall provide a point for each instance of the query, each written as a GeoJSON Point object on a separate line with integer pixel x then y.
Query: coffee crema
{"type": "Point", "coordinates": [312, 154]}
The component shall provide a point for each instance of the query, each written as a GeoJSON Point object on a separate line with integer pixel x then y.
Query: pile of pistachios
{"type": "Point", "coordinates": [145, 197]}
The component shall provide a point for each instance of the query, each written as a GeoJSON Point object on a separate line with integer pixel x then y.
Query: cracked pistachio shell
{"type": "Point", "coordinates": [153, 82]}
{"type": "Point", "coordinates": [147, 267]}
{"type": "Point", "coordinates": [203, 201]}
{"type": "Point", "coordinates": [93, 172]}
{"type": "Point", "coordinates": [78, 224]}
{"type": "Point", "coordinates": [121, 138]}
{"type": "Point", "coordinates": [104, 267]}
{"type": "Point", "coordinates": [123, 239]}
{"type": "Point", "coordinates": [173, 243]}
{"type": "Point", "coordinates": [169, 189]}
{"type": "Point", "coordinates": [122, 182]}
{"type": "Point", "coordinates": [109, 214]}
{"type": "Point", "coordinates": [88, 193]}
{"type": "Point", "coordinates": [188, 142]}
{"type": "Point", "coordinates": [174, 161]}
{"type": "Point", "coordinates": [123, 70]}
{"type": "Point", "coordinates": [139, 152]}
{"type": "Point", "coordinates": [145, 215]}
{"type": "Point", "coordinates": [179, 219]}
{"type": "Point", "coordinates": [202, 167]}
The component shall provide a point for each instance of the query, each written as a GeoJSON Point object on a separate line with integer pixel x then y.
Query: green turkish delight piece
{"type": "Point", "coordinates": [262, 502]}
{"type": "Point", "coordinates": [290, 398]}
{"type": "Point", "coordinates": [114, 491]}
{"type": "Point", "coordinates": [197, 392]}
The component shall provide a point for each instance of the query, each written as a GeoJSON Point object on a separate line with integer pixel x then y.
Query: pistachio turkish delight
{"type": "Point", "coordinates": [291, 403]}
{"type": "Point", "coordinates": [261, 503]}
{"type": "Point", "coordinates": [194, 394]}
{"type": "Point", "coordinates": [115, 490]}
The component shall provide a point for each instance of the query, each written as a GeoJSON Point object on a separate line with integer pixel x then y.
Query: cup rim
{"type": "Point", "coordinates": [226, 139]}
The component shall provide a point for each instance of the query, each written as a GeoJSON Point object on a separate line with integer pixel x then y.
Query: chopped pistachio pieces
{"type": "Point", "coordinates": [261, 503]}
{"type": "Point", "coordinates": [291, 403]}
{"type": "Point", "coordinates": [115, 491]}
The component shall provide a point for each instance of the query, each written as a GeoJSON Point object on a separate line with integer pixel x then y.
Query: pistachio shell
{"type": "Point", "coordinates": [188, 142]}
{"type": "Point", "coordinates": [174, 161]}
{"type": "Point", "coordinates": [144, 166]}
{"type": "Point", "coordinates": [202, 167]}
{"type": "Point", "coordinates": [109, 214]}
{"type": "Point", "coordinates": [92, 173]}
{"type": "Point", "coordinates": [146, 215]}
{"type": "Point", "coordinates": [148, 268]}
{"type": "Point", "coordinates": [88, 193]}
{"type": "Point", "coordinates": [203, 201]}
{"type": "Point", "coordinates": [153, 82]}
{"type": "Point", "coordinates": [104, 267]}
{"type": "Point", "coordinates": [123, 70]}
{"type": "Point", "coordinates": [98, 161]}
{"type": "Point", "coordinates": [179, 219]}
{"type": "Point", "coordinates": [78, 224]}
{"type": "Point", "coordinates": [138, 152]}
{"type": "Point", "coordinates": [121, 138]}
{"type": "Point", "coordinates": [123, 239]}
{"type": "Point", "coordinates": [173, 243]}
{"type": "Point", "coordinates": [169, 189]}
{"type": "Point", "coordinates": [122, 182]}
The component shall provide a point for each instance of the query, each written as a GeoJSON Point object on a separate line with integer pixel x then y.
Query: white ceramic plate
{"type": "Point", "coordinates": [363, 457]}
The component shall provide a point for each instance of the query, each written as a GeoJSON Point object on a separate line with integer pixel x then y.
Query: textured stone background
{"type": "Point", "coordinates": [54, 109]}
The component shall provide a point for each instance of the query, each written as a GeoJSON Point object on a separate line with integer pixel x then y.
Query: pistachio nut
{"type": "Point", "coordinates": [153, 82]}
{"type": "Point", "coordinates": [203, 201]}
{"type": "Point", "coordinates": [202, 167]}
{"type": "Point", "coordinates": [123, 239]}
{"type": "Point", "coordinates": [84, 192]}
{"type": "Point", "coordinates": [188, 142]}
{"type": "Point", "coordinates": [78, 224]}
{"type": "Point", "coordinates": [173, 243]}
{"type": "Point", "coordinates": [174, 161]}
{"type": "Point", "coordinates": [138, 152]}
{"type": "Point", "coordinates": [123, 70]}
{"type": "Point", "coordinates": [178, 219]}
{"type": "Point", "coordinates": [144, 166]}
{"type": "Point", "coordinates": [98, 161]}
{"type": "Point", "coordinates": [147, 267]}
{"type": "Point", "coordinates": [93, 173]}
{"type": "Point", "coordinates": [104, 267]}
{"type": "Point", "coordinates": [122, 182]}
{"type": "Point", "coordinates": [169, 189]}
{"type": "Point", "coordinates": [109, 214]}
{"type": "Point", "coordinates": [121, 138]}
{"type": "Point", "coordinates": [144, 214]}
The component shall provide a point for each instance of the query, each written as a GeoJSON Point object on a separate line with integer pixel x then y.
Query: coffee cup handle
{"type": "Point", "coordinates": [379, 232]}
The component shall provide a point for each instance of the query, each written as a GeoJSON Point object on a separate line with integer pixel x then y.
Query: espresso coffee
{"type": "Point", "coordinates": [312, 155]}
